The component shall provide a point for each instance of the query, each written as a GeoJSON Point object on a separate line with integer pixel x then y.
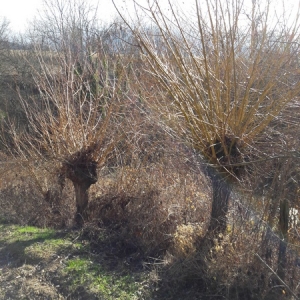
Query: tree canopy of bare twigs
{"type": "Point", "coordinates": [72, 122]}
{"type": "Point", "coordinates": [227, 75]}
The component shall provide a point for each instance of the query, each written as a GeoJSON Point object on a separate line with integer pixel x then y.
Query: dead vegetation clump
{"type": "Point", "coordinates": [148, 203]}
{"type": "Point", "coordinates": [32, 195]}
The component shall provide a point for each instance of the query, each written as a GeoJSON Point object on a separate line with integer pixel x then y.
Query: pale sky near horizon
{"type": "Point", "coordinates": [20, 12]}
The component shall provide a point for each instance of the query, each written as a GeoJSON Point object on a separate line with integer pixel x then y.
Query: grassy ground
{"type": "Point", "coordinates": [118, 254]}
{"type": "Point", "coordinates": [46, 264]}
{"type": "Point", "coordinates": [145, 249]}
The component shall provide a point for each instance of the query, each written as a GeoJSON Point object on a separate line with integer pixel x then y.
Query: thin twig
{"type": "Point", "coordinates": [281, 281]}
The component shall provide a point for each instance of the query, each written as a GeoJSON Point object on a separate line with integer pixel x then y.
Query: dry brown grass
{"type": "Point", "coordinates": [149, 202]}
{"type": "Point", "coordinates": [31, 194]}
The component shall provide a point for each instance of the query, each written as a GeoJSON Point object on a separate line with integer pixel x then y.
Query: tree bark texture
{"type": "Point", "coordinates": [82, 177]}
{"type": "Point", "coordinates": [82, 200]}
{"type": "Point", "coordinates": [217, 227]}
{"type": "Point", "coordinates": [220, 202]}
{"type": "Point", "coordinates": [221, 191]}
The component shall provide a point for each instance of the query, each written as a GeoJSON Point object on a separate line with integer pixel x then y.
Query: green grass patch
{"type": "Point", "coordinates": [81, 273]}
{"type": "Point", "coordinates": [106, 285]}
{"type": "Point", "coordinates": [35, 232]}
{"type": "Point", "coordinates": [52, 247]}
{"type": "Point", "coordinates": [16, 233]}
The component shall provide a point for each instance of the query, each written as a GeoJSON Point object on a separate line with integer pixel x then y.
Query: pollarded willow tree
{"type": "Point", "coordinates": [227, 74]}
{"type": "Point", "coordinates": [73, 121]}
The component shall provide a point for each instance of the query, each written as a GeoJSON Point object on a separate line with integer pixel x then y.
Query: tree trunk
{"type": "Point", "coordinates": [221, 191]}
{"type": "Point", "coordinates": [220, 203]}
{"type": "Point", "coordinates": [82, 177]}
{"type": "Point", "coordinates": [82, 200]}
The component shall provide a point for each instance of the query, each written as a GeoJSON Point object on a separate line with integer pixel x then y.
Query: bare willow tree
{"type": "Point", "coordinates": [72, 123]}
{"type": "Point", "coordinates": [227, 75]}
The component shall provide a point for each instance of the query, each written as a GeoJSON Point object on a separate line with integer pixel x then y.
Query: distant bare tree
{"type": "Point", "coordinates": [73, 122]}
